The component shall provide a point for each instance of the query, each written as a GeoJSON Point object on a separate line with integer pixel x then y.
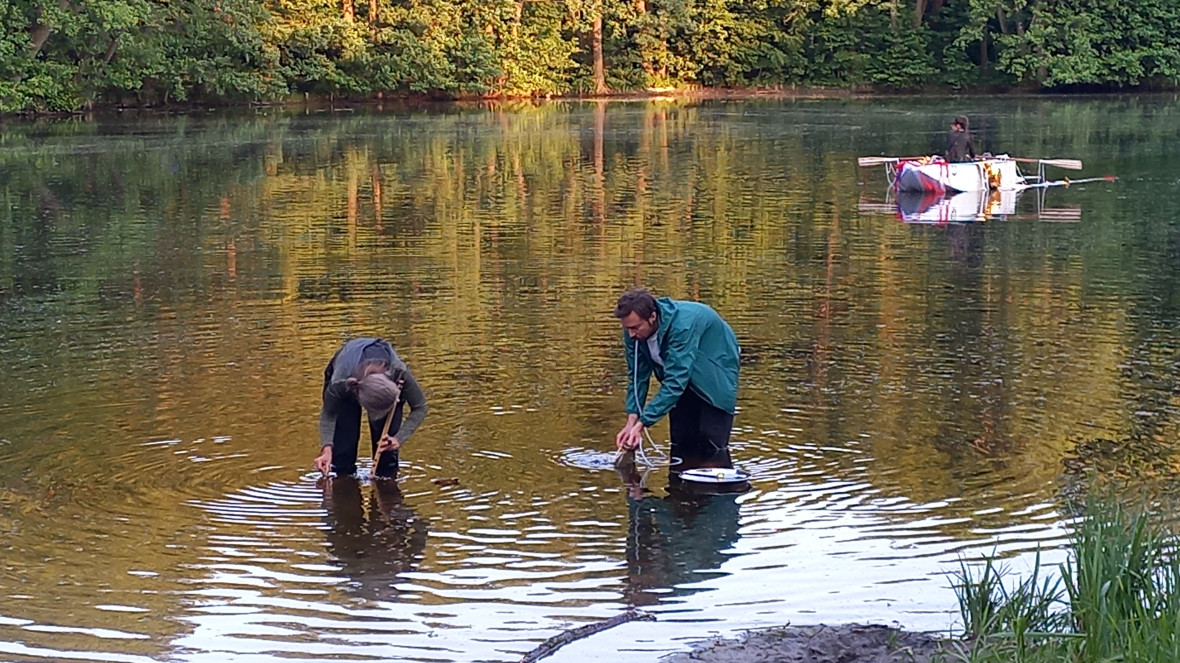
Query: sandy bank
{"type": "Point", "coordinates": [848, 643]}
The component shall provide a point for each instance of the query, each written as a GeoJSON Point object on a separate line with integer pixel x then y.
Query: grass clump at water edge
{"type": "Point", "coordinates": [1115, 599]}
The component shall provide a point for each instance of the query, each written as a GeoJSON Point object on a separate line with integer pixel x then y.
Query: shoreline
{"type": "Point", "coordinates": [381, 101]}
{"type": "Point", "coordinates": [822, 643]}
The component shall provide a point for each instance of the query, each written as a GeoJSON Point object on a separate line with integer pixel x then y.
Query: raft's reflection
{"type": "Point", "coordinates": [677, 540]}
{"type": "Point", "coordinates": [376, 544]}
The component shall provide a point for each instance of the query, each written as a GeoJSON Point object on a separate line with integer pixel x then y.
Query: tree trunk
{"type": "Point", "coordinates": [644, 60]}
{"type": "Point", "coordinates": [1042, 72]}
{"type": "Point", "coordinates": [111, 48]}
{"type": "Point", "coordinates": [919, 12]}
{"type": "Point", "coordinates": [39, 32]}
{"type": "Point", "coordinates": [38, 35]}
{"type": "Point", "coordinates": [983, 54]}
{"type": "Point", "coordinates": [596, 51]}
{"type": "Point", "coordinates": [349, 10]}
{"type": "Point", "coordinates": [374, 12]}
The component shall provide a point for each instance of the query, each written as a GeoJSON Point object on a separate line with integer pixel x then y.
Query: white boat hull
{"type": "Point", "coordinates": [932, 175]}
{"type": "Point", "coordinates": [965, 207]}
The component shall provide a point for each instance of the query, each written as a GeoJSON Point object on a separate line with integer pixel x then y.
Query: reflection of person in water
{"type": "Point", "coordinates": [676, 540]}
{"type": "Point", "coordinates": [966, 243]}
{"type": "Point", "coordinates": [376, 547]}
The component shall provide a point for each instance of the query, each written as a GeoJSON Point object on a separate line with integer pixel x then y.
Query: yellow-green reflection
{"type": "Point", "coordinates": [173, 286]}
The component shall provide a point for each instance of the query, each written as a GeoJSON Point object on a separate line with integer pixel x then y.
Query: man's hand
{"type": "Point", "coordinates": [636, 437]}
{"type": "Point", "coordinates": [630, 436]}
{"type": "Point", "coordinates": [625, 433]}
{"type": "Point", "coordinates": [323, 462]}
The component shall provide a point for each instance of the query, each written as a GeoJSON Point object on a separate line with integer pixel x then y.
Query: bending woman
{"type": "Point", "coordinates": [366, 373]}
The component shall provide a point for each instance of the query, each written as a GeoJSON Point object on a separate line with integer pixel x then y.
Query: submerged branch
{"type": "Point", "coordinates": [560, 640]}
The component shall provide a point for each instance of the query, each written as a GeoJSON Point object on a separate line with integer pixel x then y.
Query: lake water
{"type": "Point", "coordinates": [913, 394]}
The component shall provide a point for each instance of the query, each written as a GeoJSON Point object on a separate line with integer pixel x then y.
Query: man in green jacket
{"type": "Point", "coordinates": [694, 354]}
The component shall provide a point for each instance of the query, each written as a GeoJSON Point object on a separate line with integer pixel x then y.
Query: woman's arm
{"type": "Point", "coordinates": [413, 396]}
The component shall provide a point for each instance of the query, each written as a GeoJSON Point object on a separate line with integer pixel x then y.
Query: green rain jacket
{"type": "Point", "coordinates": [700, 352]}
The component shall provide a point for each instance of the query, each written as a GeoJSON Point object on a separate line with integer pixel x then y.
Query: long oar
{"type": "Point", "coordinates": [1067, 164]}
{"type": "Point", "coordinates": [866, 162]}
{"type": "Point", "coordinates": [1068, 182]}
{"type": "Point", "coordinates": [384, 432]}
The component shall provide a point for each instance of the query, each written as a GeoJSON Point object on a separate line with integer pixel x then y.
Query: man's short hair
{"type": "Point", "coordinates": [637, 300]}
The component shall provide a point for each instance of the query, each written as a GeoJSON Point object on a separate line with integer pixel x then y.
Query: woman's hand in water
{"type": "Point", "coordinates": [323, 462]}
{"type": "Point", "coordinates": [388, 443]}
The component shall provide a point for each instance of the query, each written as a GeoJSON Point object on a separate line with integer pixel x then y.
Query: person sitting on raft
{"type": "Point", "coordinates": [366, 373]}
{"type": "Point", "coordinates": [959, 144]}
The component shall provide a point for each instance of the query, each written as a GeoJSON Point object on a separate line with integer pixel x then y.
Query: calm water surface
{"type": "Point", "coordinates": [912, 394]}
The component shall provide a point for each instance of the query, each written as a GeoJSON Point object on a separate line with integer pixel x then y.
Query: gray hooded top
{"type": "Point", "coordinates": [344, 365]}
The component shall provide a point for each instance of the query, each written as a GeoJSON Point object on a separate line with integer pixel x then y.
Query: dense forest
{"type": "Point", "coordinates": [64, 55]}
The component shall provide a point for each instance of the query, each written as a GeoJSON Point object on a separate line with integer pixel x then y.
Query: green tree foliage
{"type": "Point", "coordinates": [1092, 42]}
{"type": "Point", "coordinates": [216, 49]}
{"type": "Point", "coordinates": [64, 55]}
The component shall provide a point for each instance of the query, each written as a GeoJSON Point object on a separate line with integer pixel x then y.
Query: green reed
{"type": "Point", "coordinates": [1115, 599]}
